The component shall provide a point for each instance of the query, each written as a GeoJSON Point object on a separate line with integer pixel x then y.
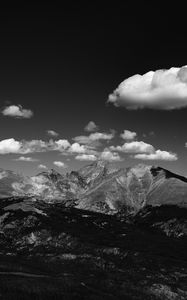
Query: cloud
{"type": "Point", "coordinates": [161, 89]}
{"type": "Point", "coordinates": [17, 111]}
{"type": "Point", "coordinates": [52, 133]}
{"type": "Point", "coordinates": [60, 145]}
{"type": "Point", "coordinates": [3, 174]}
{"type": "Point", "coordinates": [60, 164]}
{"type": "Point", "coordinates": [158, 155]}
{"type": "Point", "coordinates": [86, 157]}
{"type": "Point", "coordinates": [34, 146]}
{"type": "Point", "coordinates": [42, 166]}
{"type": "Point", "coordinates": [9, 146]}
{"type": "Point", "coordinates": [134, 147]}
{"type": "Point", "coordinates": [77, 148]}
{"type": "Point", "coordinates": [91, 126]}
{"type": "Point", "coordinates": [94, 137]}
{"type": "Point", "coordinates": [27, 159]}
{"type": "Point", "coordinates": [24, 147]}
{"type": "Point", "coordinates": [110, 156]}
{"type": "Point", "coordinates": [128, 135]}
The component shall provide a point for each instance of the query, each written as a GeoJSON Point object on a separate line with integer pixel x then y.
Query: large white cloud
{"type": "Point", "coordinates": [17, 111]}
{"type": "Point", "coordinates": [134, 147]}
{"type": "Point", "coordinates": [157, 155]}
{"type": "Point", "coordinates": [161, 89]}
{"type": "Point", "coordinates": [9, 146]}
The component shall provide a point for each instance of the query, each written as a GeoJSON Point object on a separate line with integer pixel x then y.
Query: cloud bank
{"type": "Point", "coordinates": [139, 149]}
{"type": "Point", "coordinates": [144, 151]}
{"type": "Point", "coordinates": [17, 111]}
{"type": "Point", "coordinates": [158, 155]}
{"type": "Point", "coordinates": [161, 89]}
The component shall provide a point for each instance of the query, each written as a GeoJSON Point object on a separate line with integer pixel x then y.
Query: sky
{"type": "Point", "coordinates": [82, 83]}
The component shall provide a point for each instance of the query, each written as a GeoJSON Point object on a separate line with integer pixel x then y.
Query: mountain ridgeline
{"type": "Point", "coordinates": [100, 187]}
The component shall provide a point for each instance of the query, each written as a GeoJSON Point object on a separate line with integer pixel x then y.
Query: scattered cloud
{"type": "Point", "coordinates": [157, 155]}
{"type": "Point", "coordinates": [52, 133]}
{"type": "Point", "coordinates": [91, 126]}
{"type": "Point", "coordinates": [86, 157]}
{"type": "Point", "coordinates": [26, 158]}
{"type": "Point", "coordinates": [109, 155]}
{"type": "Point", "coordinates": [84, 152]}
{"type": "Point", "coordinates": [42, 167]}
{"type": "Point", "coordinates": [128, 135]}
{"type": "Point", "coordinates": [134, 147]}
{"type": "Point", "coordinates": [161, 89]}
{"type": "Point", "coordinates": [17, 111]}
{"type": "Point", "coordinates": [60, 164]}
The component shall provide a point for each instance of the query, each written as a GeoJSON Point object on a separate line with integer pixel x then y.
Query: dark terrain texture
{"type": "Point", "coordinates": [100, 233]}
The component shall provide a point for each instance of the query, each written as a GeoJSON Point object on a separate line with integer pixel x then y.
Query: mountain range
{"type": "Point", "coordinates": [100, 187]}
{"type": "Point", "coordinates": [96, 233]}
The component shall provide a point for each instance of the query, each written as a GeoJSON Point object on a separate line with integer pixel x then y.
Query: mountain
{"type": "Point", "coordinates": [129, 190]}
{"type": "Point", "coordinates": [100, 187]}
{"type": "Point", "coordinates": [96, 233]}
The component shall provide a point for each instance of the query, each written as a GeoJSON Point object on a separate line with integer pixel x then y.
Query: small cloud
{"type": "Point", "coordinates": [77, 148]}
{"type": "Point", "coordinates": [158, 155]}
{"type": "Point", "coordinates": [60, 164]}
{"type": "Point", "coordinates": [61, 145]}
{"type": "Point", "coordinates": [94, 137]}
{"type": "Point", "coordinates": [110, 156]}
{"type": "Point", "coordinates": [86, 157]}
{"type": "Point", "coordinates": [134, 147]}
{"type": "Point", "coordinates": [91, 126]}
{"type": "Point", "coordinates": [3, 174]}
{"type": "Point", "coordinates": [42, 167]}
{"type": "Point", "coordinates": [17, 111]}
{"type": "Point", "coordinates": [161, 89]}
{"type": "Point", "coordinates": [52, 133]}
{"type": "Point", "coordinates": [128, 135]}
{"type": "Point", "coordinates": [27, 159]}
